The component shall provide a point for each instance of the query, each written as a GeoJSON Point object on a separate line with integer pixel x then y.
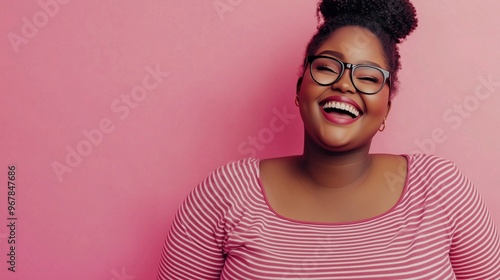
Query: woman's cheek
{"type": "Point", "coordinates": [377, 104]}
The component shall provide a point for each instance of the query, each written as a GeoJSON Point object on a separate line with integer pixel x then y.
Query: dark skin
{"type": "Point", "coordinates": [336, 179]}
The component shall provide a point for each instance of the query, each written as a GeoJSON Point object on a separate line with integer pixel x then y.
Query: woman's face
{"type": "Point", "coordinates": [337, 130]}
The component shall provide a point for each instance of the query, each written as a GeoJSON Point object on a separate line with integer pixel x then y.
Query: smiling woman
{"type": "Point", "coordinates": [331, 213]}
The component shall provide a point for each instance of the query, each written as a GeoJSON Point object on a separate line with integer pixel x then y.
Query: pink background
{"type": "Point", "coordinates": [229, 77]}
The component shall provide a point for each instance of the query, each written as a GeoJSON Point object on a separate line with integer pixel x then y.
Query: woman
{"type": "Point", "coordinates": [336, 211]}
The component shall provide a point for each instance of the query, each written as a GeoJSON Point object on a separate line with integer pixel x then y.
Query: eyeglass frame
{"type": "Point", "coordinates": [350, 66]}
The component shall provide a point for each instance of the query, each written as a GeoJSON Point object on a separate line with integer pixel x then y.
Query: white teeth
{"type": "Point", "coordinates": [342, 106]}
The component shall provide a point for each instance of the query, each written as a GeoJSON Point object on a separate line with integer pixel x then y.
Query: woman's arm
{"type": "Point", "coordinates": [475, 247]}
{"type": "Point", "coordinates": [193, 249]}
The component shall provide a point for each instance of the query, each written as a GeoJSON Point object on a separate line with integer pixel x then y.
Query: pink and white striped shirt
{"type": "Point", "coordinates": [439, 229]}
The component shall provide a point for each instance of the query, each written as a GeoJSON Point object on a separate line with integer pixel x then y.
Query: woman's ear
{"type": "Point", "coordinates": [299, 83]}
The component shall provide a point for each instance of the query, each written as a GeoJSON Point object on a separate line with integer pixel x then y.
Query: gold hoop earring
{"type": "Point", "coordinates": [297, 100]}
{"type": "Point", "coordinates": [382, 127]}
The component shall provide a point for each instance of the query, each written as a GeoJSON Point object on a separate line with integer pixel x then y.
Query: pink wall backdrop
{"type": "Point", "coordinates": [113, 110]}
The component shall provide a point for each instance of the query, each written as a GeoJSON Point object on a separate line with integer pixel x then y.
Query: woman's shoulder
{"type": "Point", "coordinates": [429, 164]}
{"type": "Point", "coordinates": [427, 157]}
{"type": "Point", "coordinates": [240, 167]}
{"type": "Point", "coordinates": [233, 177]}
{"type": "Point", "coordinates": [436, 174]}
{"type": "Point", "coordinates": [419, 170]}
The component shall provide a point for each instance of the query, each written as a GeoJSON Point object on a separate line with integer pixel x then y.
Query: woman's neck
{"type": "Point", "coordinates": [335, 170]}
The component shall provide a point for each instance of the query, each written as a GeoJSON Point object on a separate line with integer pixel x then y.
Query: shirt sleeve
{"type": "Point", "coordinates": [475, 246]}
{"type": "Point", "coordinates": [194, 245]}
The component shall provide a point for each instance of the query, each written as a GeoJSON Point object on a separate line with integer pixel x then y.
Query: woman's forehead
{"type": "Point", "coordinates": [354, 44]}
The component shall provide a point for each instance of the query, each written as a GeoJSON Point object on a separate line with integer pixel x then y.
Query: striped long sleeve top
{"type": "Point", "coordinates": [439, 229]}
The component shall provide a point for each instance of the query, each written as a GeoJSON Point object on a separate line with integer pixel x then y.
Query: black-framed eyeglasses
{"type": "Point", "coordinates": [367, 79]}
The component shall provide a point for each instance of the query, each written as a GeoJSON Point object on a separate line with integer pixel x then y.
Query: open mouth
{"type": "Point", "coordinates": [341, 109]}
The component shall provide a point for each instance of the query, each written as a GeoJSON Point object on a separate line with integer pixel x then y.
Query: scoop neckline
{"type": "Point", "coordinates": [356, 222]}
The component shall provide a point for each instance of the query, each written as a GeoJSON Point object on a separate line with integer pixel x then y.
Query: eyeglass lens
{"type": "Point", "coordinates": [366, 79]}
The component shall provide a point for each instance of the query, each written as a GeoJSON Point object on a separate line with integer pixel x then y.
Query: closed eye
{"type": "Point", "coordinates": [371, 79]}
{"type": "Point", "coordinates": [325, 68]}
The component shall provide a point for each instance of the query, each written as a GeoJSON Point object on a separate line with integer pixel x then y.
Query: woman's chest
{"type": "Point", "coordinates": [402, 247]}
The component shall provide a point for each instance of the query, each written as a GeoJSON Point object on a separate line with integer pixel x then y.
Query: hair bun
{"type": "Point", "coordinates": [397, 17]}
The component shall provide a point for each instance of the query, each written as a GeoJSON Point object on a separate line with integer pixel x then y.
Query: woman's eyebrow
{"type": "Point", "coordinates": [333, 53]}
{"type": "Point", "coordinates": [341, 56]}
{"type": "Point", "coordinates": [371, 63]}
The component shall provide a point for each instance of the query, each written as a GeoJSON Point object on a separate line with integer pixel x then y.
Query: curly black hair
{"type": "Point", "coordinates": [390, 20]}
